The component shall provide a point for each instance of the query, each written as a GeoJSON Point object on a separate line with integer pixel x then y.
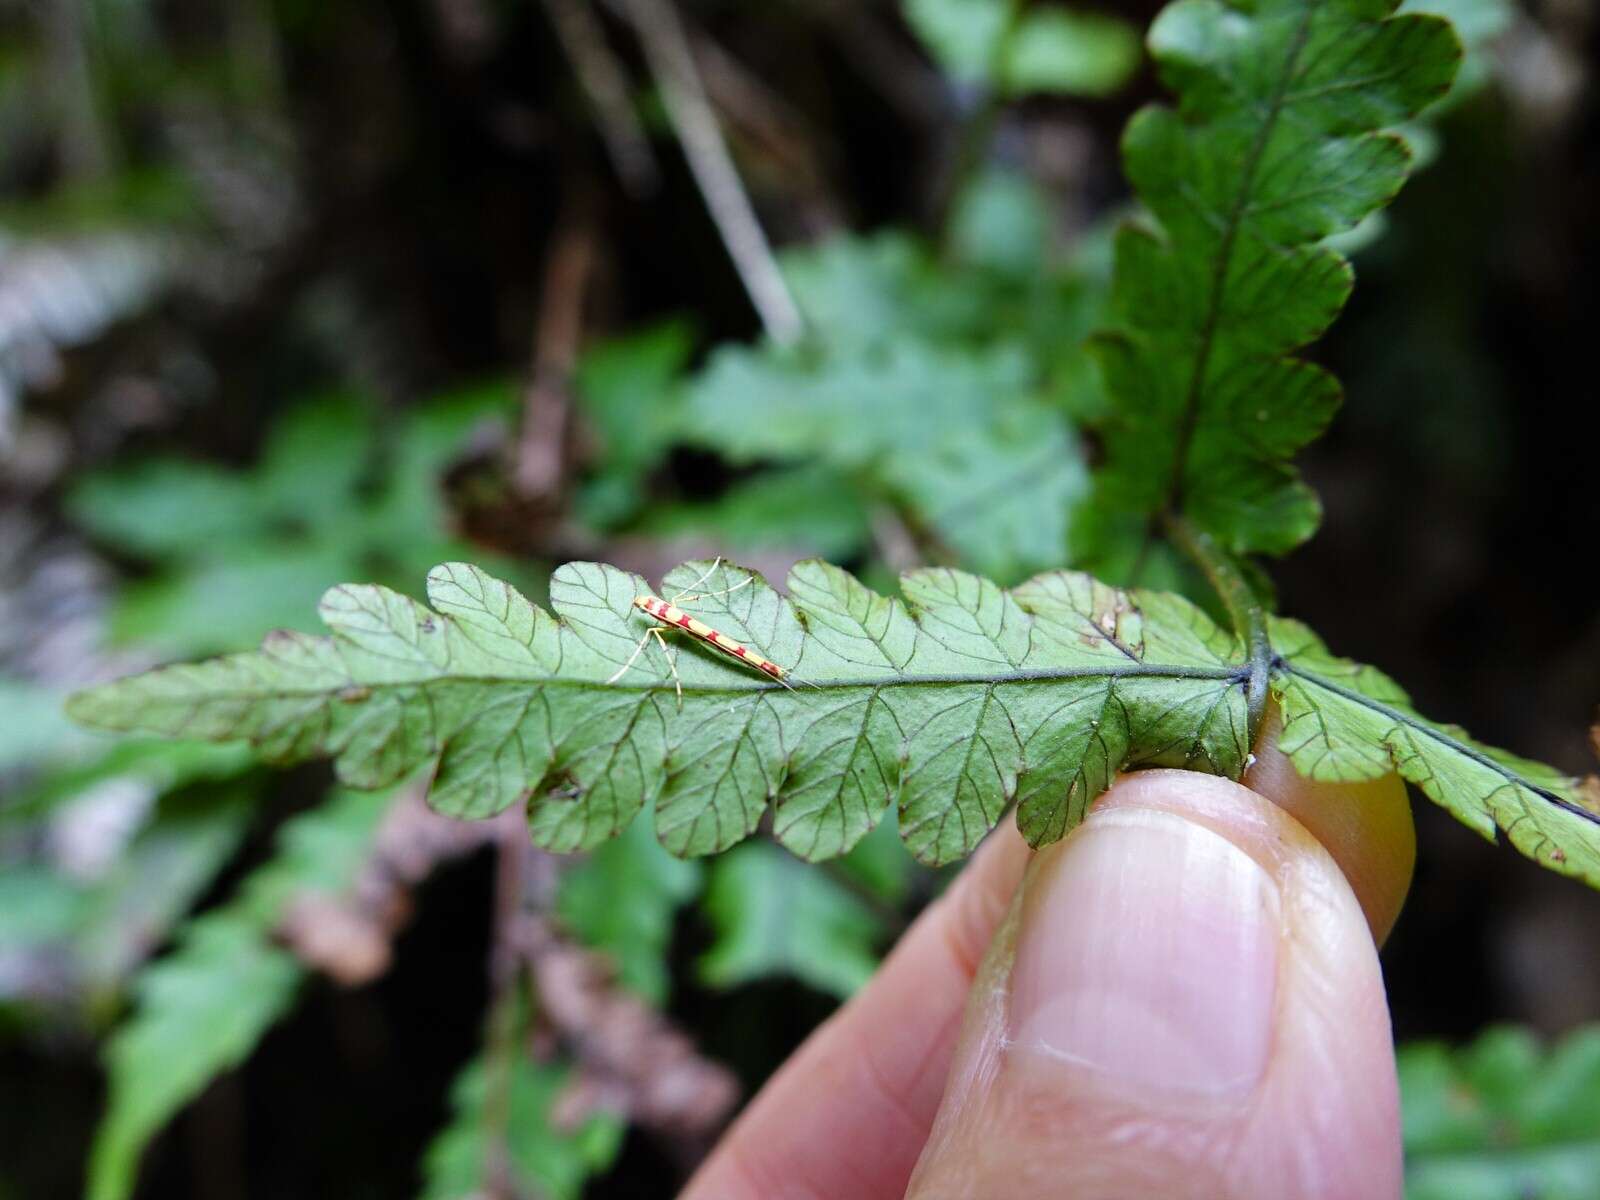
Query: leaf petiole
{"type": "Point", "coordinates": [1243, 606]}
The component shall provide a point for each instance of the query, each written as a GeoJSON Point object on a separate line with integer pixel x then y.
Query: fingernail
{"type": "Point", "coordinates": [1148, 950]}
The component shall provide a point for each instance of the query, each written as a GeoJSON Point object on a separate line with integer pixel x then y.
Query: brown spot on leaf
{"type": "Point", "coordinates": [1589, 793]}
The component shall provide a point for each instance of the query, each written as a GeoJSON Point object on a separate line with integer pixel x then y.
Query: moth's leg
{"type": "Point", "coordinates": [637, 650]}
{"type": "Point", "coordinates": [672, 663]}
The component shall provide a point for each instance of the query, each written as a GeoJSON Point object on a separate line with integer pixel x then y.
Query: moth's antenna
{"type": "Point", "coordinates": [704, 575]}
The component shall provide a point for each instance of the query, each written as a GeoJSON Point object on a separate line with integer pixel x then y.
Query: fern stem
{"type": "Point", "coordinates": [1243, 606]}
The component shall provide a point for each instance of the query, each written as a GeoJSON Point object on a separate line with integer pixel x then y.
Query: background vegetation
{"type": "Point", "coordinates": [295, 293]}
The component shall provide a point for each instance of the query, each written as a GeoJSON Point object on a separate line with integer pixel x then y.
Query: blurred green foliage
{"type": "Point", "coordinates": [342, 489]}
{"type": "Point", "coordinates": [1504, 1118]}
{"type": "Point", "coordinates": [935, 391]}
{"type": "Point", "coordinates": [203, 1007]}
{"type": "Point", "coordinates": [625, 901]}
{"type": "Point", "coordinates": [539, 1158]}
{"type": "Point", "coordinates": [1013, 49]}
{"type": "Point", "coordinates": [776, 916]}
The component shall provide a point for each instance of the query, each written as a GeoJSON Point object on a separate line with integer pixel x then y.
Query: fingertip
{"type": "Point", "coordinates": [1186, 1003]}
{"type": "Point", "coordinates": [1365, 826]}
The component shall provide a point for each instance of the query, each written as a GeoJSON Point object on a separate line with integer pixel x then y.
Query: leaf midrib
{"type": "Point", "coordinates": [1225, 674]}
{"type": "Point", "coordinates": [1190, 418]}
{"type": "Point", "coordinates": [1433, 733]}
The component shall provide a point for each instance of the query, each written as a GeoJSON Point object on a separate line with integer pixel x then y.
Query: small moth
{"type": "Point", "coordinates": [668, 614]}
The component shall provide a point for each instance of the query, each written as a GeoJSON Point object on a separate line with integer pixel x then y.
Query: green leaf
{"type": "Point", "coordinates": [37, 907]}
{"type": "Point", "coordinates": [623, 901]}
{"type": "Point", "coordinates": [960, 436]}
{"type": "Point", "coordinates": [341, 490]}
{"type": "Point", "coordinates": [1275, 146]}
{"type": "Point", "coordinates": [33, 731]}
{"type": "Point", "coordinates": [313, 459]}
{"type": "Point", "coordinates": [408, 515]}
{"type": "Point", "coordinates": [540, 1159]}
{"type": "Point", "coordinates": [1017, 51]}
{"type": "Point", "coordinates": [629, 392]}
{"type": "Point", "coordinates": [809, 508]}
{"type": "Point", "coordinates": [951, 704]}
{"type": "Point", "coordinates": [859, 294]}
{"type": "Point", "coordinates": [935, 388]}
{"type": "Point", "coordinates": [880, 865]}
{"type": "Point", "coordinates": [1076, 53]}
{"type": "Point", "coordinates": [1343, 721]}
{"type": "Point", "coordinates": [773, 916]}
{"type": "Point", "coordinates": [158, 876]}
{"type": "Point", "coordinates": [231, 598]}
{"type": "Point", "coordinates": [201, 1009]}
{"type": "Point", "coordinates": [1000, 495]}
{"type": "Point", "coordinates": [962, 35]}
{"type": "Point", "coordinates": [850, 411]}
{"type": "Point", "coordinates": [864, 296]}
{"type": "Point", "coordinates": [157, 766]}
{"type": "Point", "coordinates": [318, 852]}
{"type": "Point", "coordinates": [1479, 23]}
{"type": "Point", "coordinates": [1503, 1118]}
{"type": "Point", "coordinates": [163, 507]}
{"type": "Point", "coordinates": [1001, 220]}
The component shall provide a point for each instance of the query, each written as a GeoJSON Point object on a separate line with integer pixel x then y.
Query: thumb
{"type": "Point", "coordinates": [1183, 1002]}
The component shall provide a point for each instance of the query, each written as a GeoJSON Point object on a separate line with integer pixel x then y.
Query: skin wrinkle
{"type": "Point", "coordinates": [964, 935]}
{"type": "Point", "coordinates": [900, 1096]}
{"type": "Point", "coordinates": [866, 1113]}
{"type": "Point", "coordinates": [1326, 1005]}
{"type": "Point", "coordinates": [857, 1074]}
{"type": "Point", "coordinates": [1324, 1010]}
{"type": "Point", "coordinates": [1316, 1126]}
{"type": "Point", "coordinates": [907, 1019]}
{"type": "Point", "coordinates": [750, 1171]}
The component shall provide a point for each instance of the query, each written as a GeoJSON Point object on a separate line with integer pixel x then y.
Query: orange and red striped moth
{"type": "Point", "coordinates": [669, 614]}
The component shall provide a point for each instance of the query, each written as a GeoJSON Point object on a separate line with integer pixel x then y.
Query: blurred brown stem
{"type": "Point", "coordinates": [605, 84]}
{"type": "Point", "coordinates": [505, 976]}
{"type": "Point", "coordinates": [542, 449]}
{"type": "Point", "coordinates": [672, 63]}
